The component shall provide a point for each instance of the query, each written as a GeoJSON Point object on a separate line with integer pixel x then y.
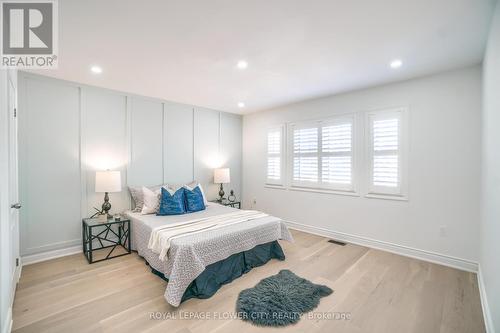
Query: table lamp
{"type": "Point", "coordinates": [221, 176]}
{"type": "Point", "coordinates": [107, 181]}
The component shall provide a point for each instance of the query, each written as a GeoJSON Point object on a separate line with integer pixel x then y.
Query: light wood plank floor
{"type": "Point", "coordinates": [381, 292]}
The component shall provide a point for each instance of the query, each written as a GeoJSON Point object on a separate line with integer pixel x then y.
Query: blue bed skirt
{"type": "Point", "coordinates": [225, 271]}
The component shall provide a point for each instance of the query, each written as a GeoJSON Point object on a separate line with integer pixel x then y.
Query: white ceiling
{"type": "Point", "coordinates": [186, 51]}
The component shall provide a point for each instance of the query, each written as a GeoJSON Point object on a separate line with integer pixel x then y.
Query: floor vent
{"type": "Point", "coordinates": [336, 242]}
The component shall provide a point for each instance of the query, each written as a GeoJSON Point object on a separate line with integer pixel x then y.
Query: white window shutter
{"type": "Point", "coordinates": [336, 169]}
{"type": "Point", "coordinates": [274, 142]}
{"type": "Point", "coordinates": [305, 169]}
{"type": "Point", "coordinates": [336, 160]}
{"type": "Point", "coordinates": [385, 155]}
{"type": "Point", "coordinates": [275, 156]}
{"type": "Point", "coordinates": [273, 168]}
{"type": "Point", "coordinates": [305, 155]}
{"type": "Point", "coordinates": [305, 140]}
{"type": "Point", "coordinates": [386, 152]}
{"type": "Point", "coordinates": [323, 154]}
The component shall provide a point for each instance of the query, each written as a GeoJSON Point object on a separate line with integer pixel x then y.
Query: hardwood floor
{"type": "Point", "coordinates": [380, 291]}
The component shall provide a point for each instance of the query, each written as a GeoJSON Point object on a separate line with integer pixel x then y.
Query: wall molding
{"type": "Point", "coordinates": [488, 320]}
{"type": "Point", "coordinates": [53, 246]}
{"type": "Point", "coordinates": [406, 251]}
{"type": "Point", "coordinates": [43, 256]}
{"type": "Point", "coordinates": [7, 328]}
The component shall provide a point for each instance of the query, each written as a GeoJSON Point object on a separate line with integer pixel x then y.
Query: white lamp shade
{"type": "Point", "coordinates": [108, 181]}
{"type": "Point", "coordinates": [221, 176]}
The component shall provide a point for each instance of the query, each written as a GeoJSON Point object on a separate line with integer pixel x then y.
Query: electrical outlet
{"type": "Point", "coordinates": [442, 231]}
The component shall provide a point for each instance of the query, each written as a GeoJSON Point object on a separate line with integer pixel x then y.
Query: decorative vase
{"type": "Point", "coordinates": [231, 197]}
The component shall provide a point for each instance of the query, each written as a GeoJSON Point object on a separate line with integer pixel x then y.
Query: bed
{"type": "Point", "coordinates": [198, 263]}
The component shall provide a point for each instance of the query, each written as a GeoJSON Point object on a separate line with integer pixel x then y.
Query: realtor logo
{"type": "Point", "coordinates": [29, 34]}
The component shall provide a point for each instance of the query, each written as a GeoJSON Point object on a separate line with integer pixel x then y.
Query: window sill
{"type": "Point", "coordinates": [276, 187]}
{"type": "Point", "coordinates": [386, 197]}
{"type": "Point", "coordinates": [313, 190]}
{"type": "Point", "coordinates": [336, 192]}
{"type": "Point", "coordinates": [325, 191]}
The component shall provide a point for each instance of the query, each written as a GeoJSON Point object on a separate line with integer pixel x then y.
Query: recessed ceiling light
{"type": "Point", "coordinates": [396, 63]}
{"type": "Point", "coordinates": [242, 64]}
{"type": "Point", "coordinates": [241, 105]}
{"type": "Point", "coordinates": [96, 69]}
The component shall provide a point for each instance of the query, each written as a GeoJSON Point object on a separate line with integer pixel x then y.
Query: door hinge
{"type": "Point", "coordinates": [15, 113]}
{"type": "Point", "coordinates": [17, 262]}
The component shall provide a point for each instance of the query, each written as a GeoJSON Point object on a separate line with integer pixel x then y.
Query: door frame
{"type": "Point", "coordinates": [9, 273]}
{"type": "Point", "coordinates": [13, 178]}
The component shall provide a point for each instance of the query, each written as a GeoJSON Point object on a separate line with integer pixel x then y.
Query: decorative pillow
{"type": "Point", "coordinates": [177, 186]}
{"type": "Point", "coordinates": [194, 199]}
{"type": "Point", "coordinates": [138, 197]}
{"type": "Point", "coordinates": [137, 201]}
{"type": "Point", "coordinates": [194, 184]}
{"type": "Point", "coordinates": [172, 203]}
{"type": "Point", "coordinates": [151, 200]}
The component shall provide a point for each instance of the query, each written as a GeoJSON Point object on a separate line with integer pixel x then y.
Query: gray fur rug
{"type": "Point", "coordinates": [279, 300]}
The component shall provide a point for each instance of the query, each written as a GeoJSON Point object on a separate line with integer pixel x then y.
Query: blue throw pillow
{"type": "Point", "coordinates": [194, 200]}
{"type": "Point", "coordinates": [172, 204]}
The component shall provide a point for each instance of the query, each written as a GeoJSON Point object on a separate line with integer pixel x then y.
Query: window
{"type": "Point", "coordinates": [274, 156]}
{"type": "Point", "coordinates": [322, 154]}
{"type": "Point", "coordinates": [363, 152]}
{"type": "Point", "coordinates": [386, 152]}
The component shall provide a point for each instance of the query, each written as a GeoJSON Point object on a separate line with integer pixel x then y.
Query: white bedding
{"type": "Point", "coordinates": [161, 237]}
{"type": "Point", "coordinates": [191, 253]}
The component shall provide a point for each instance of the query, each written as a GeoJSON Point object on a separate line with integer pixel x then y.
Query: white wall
{"type": "Point", "coordinates": [490, 195]}
{"type": "Point", "coordinates": [444, 167]}
{"type": "Point", "coordinates": [69, 130]}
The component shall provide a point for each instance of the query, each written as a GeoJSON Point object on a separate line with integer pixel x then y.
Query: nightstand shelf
{"type": "Point", "coordinates": [98, 235]}
{"type": "Point", "coordinates": [225, 202]}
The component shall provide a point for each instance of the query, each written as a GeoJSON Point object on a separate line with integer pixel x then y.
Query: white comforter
{"type": "Point", "coordinates": [161, 236]}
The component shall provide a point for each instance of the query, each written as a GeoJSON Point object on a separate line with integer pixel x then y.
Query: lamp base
{"type": "Point", "coordinates": [106, 206]}
{"type": "Point", "coordinates": [221, 193]}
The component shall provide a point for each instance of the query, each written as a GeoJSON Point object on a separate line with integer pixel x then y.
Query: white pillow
{"type": "Point", "coordinates": [191, 187]}
{"type": "Point", "coordinates": [151, 201]}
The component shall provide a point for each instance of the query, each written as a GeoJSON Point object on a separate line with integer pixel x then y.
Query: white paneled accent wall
{"type": "Point", "coordinates": [206, 147]}
{"type": "Point", "coordinates": [68, 131]}
{"type": "Point", "coordinates": [146, 136]}
{"type": "Point", "coordinates": [49, 165]}
{"type": "Point", "coordinates": [230, 148]}
{"type": "Point", "coordinates": [178, 143]}
{"type": "Point", "coordinates": [104, 145]}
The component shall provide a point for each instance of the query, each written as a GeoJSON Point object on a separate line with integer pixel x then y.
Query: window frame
{"type": "Point", "coordinates": [320, 186]}
{"type": "Point", "coordinates": [376, 191]}
{"type": "Point", "coordinates": [276, 182]}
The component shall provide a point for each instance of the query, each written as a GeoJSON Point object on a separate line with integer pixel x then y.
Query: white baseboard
{"type": "Point", "coordinates": [7, 325]}
{"type": "Point", "coordinates": [488, 320]}
{"type": "Point", "coordinates": [429, 256]}
{"type": "Point", "coordinates": [34, 258]}
{"type": "Point", "coordinates": [406, 251]}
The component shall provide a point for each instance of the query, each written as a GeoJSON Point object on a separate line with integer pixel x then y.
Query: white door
{"type": "Point", "coordinates": [13, 184]}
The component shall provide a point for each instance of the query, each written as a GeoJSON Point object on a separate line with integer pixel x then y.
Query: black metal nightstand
{"type": "Point", "coordinates": [108, 234]}
{"type": "Point", "coordinates": [225, 202]}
